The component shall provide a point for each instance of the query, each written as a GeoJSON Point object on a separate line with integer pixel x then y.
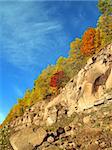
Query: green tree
{"type": "Point", "coordinates": [27, 98]}
{"type": "Point", "coordinates": [105, 6]}
{"type": "Point", "coordinates": [105, 21]}
{"type": "Point", "coordinates": [105, 27]}
{"type": "Point", "coordinates": [61, 60]}
{"type": "Point", "coordinates": [75, 48]}
{"type": "Point", "coordinates": [42, 87]}
{"type": "Point", "coordinates": [97, 40]}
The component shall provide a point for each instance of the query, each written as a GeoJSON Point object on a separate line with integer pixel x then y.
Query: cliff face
{"type": "Point", "coordinates": [92, 86]}
{"type": "Point", "coordinates": [73, 111]}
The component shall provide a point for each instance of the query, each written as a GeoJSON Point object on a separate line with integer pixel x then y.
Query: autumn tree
{"type": "Point", "coordinates": [27, 98]}
{"type": "Point", "coordinates": [56, 79]}
{"type": "Point", "coordinates": [60, 63]}
{"type": "Point", "coordinates": [75, 48]}
{"type": "Point", "coordinates": [105, 21]}
{"type": "Point", "coordinates": [105, 27]}
{"type": "Point", "coordinates": [105, 7]}
{"type": "Point", "coordinates": [97, 40]}
{"type": "Point", "coordinates": [42, 89]}
{"type": "Point", "coordinates": [87, 45]}
{"type": "Point", "coordinates": [76, 60]}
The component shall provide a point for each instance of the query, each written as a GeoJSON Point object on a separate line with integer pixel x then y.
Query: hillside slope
{"type": "Point", "coordinates": [52, 79]}
{"type": "Point", "coordinates": [80, 117]}
{"type": "Point", "coordinates": [70, 105]}
{"type": "Point", "coordinates": [88, 130]}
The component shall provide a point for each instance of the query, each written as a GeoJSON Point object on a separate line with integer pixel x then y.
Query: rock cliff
{"type": "Point", "coordinates": [75, 115]}
{"type": "Point", "coordinates": [89, 88]}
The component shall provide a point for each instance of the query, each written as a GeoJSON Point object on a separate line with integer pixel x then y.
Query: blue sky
{"type": "Point", "coordinates": [34, 34]}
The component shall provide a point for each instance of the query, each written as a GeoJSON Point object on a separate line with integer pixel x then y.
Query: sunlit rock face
{"type": "Point", "coordinates": [97, 79]}
{"type": "Point", "coordinates": [27, 138]}
{"type": "Point", "coordinates": [88, 88]}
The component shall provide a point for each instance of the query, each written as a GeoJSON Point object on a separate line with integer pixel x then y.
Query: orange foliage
{"type": "Point", "coordinates": [87, 45]}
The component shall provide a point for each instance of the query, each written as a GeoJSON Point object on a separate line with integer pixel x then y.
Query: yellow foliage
{"type": "Point", "coordinates": [75, 48]}
{"type": "Point", "coordinates": [105, 27]}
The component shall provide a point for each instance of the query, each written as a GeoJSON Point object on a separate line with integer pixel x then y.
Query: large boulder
{"type": "Point", "coordinates": [27, 138]}
{"type": "Point", "coordinates": [52, 116]}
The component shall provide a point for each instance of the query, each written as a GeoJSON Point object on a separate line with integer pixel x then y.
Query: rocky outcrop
{"type": "Point", "coordinates": [88, 130]}
{"type": "Point", "coordinates": [27, 138]}
{"type": "Point", "coordinates": [33, 116]}
{"type": "Point", "coordinates": [90, 88]}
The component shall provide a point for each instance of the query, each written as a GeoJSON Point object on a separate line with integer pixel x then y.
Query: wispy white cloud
{"type": "Point", "coordinates": [29, 34]}
{"type": "Point", "coordinates": [25, 29]}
